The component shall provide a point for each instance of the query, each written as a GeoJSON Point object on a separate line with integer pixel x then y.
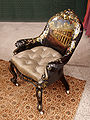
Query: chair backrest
{"type": "Point", "coordinates": [62, 29]}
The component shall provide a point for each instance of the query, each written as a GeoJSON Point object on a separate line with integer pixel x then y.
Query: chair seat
{"type": "Point", "coordinates": [32, 63]}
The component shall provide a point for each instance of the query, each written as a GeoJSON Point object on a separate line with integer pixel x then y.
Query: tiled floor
{"type": "Point", "coordinates": [78, 66]}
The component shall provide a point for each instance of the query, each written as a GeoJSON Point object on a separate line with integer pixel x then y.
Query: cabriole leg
{"type": "Point", "coordinates": [39, 99]}
{"type": "Point", "coordinates": [14, 79]}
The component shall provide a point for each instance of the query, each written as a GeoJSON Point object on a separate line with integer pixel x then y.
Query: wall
{"type": "Point", "coordinates": [38, 10]}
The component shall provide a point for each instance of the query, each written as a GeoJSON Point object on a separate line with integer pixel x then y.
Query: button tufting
{"type": "Point", "coordinates": [32, 63]}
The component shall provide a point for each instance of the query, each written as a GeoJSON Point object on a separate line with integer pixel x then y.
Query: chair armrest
{"type": "Point", "coordinates": [29, 43]}
{"type": "Point", "coordinates": [54, 65]}
{"type": "Point", "coordinates": [69, 52]}
{"type": "Point", "coordinates": [65, 58]}
{"type": "Point", "coordinates": [25, 44]}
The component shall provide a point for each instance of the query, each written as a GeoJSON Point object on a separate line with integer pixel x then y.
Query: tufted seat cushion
{"type": "Point", "coordinates": [32, 63]}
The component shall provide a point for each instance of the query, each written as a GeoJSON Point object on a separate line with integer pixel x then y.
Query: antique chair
{"type": "Point", "coordinates": [40, 60]}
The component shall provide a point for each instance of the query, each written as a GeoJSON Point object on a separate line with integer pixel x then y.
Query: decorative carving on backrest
{"type": "Point", "coordinates": [61, 30]}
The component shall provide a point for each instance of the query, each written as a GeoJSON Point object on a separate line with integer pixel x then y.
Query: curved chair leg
{"type": "Point", "coordinates": [63, 80]}
{"type": "Point", "coordinates": [39, 99]}
{"type": "Point", "coordinates": [14, 79]}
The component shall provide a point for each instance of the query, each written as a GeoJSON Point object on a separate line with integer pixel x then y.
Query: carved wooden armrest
{"type": "Point", "coordinates": [52, 66]}
{"type": "Point", "coordinates": [25, 44]}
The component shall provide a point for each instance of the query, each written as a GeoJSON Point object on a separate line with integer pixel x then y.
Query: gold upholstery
{"type": "Point", "coordinates": [32, 63]}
